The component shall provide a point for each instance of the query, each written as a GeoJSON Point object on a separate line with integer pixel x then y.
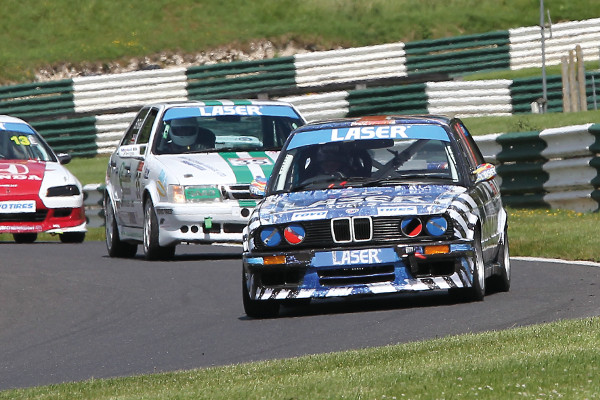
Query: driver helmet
{"type": "Point", "coordinates": [330, 158]}
{"type": "Point", "coordinates": [184, 131]}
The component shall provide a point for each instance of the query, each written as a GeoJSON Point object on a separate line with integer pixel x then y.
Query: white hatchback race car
{"type": "Point", "coordinates": [37, 194]}
{"type": "Point", "coordinates": [181, 173]}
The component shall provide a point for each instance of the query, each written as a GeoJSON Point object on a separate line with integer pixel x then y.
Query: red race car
{"type": "Point", "coordinates": [37, 193]}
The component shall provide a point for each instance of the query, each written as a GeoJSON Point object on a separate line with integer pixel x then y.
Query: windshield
{"type": "Point", "coordinates": [374, 162]}
{"type": "Point", "coordinates": [19, 142]}
{"type": "Point", "coordinates": [243, 128]}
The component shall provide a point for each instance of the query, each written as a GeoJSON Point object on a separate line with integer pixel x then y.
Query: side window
{"type": "Point", "coordinates": [468, 145]}
{"type": "Point", "coordinates": [144, 134]}
{"type": "Point", "coordinates": [134, 128]}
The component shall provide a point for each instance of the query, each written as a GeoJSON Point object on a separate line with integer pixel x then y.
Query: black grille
{"type": "Point", "coordinates": [356, 275]}
{"type": "Point", "coordinates": [341, 230]}
{"type": "Point", "coordinates": [37, 216]}
{"type": "Point", "coordinates": [236, 192]}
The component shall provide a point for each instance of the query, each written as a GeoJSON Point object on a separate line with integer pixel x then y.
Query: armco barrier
{"type": "Point", "coordinates": [310, 80]}
{"type": "Point", "coordinates": [555, 168]}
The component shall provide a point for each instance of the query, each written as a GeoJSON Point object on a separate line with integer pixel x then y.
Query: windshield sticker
{"type": "Point", "coordinates": [397, 132]}
{"type": "Point", "coordinates": [15, 127]}
{"type": "Point", "coordinates": [214, 111]}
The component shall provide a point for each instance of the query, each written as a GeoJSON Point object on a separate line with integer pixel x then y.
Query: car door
{"type": "Point", "coordinates": [486, 193]}
{"type": "Point", "coordinates": [138, 172]}
{"type": "Point", "coordinates": [120, 172]}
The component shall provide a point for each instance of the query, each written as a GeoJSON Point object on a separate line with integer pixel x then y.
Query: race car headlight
{"type": "Point", "coordinates": [436, 225]}
{"type": "Point", "coordinates": [270, 236]}
{"type": "Point", "coordinates": [411, 226]}
{"type": "Point", "coordinates": [193, 194]}
{"type": "Point", "coordinates": [66, 190]}
{"type": "Point", "coordinates": [294, 234]}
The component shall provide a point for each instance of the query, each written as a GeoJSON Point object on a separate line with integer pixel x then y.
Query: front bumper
{"type": "Point", "coordinates": [345, 272]}
{"type": "Point", "coordinates": [203, 223]}
{"type": "Point", "coordinates": [51, 220]}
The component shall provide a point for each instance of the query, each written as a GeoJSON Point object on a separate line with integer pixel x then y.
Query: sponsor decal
{"type": "Point", "coordinates": [369, 132]}
{"type": "Point", "coordinates": [396, 210]}
{"type": "Point", "coordinates": [250, 161]}
{"type": "Point", "coordinates": [215, 110]}
{"type": "Point", "coordinates": [308, 215]}
{"type": "Point", "coordinates": [229, 110]}
{"type": "Point", "coordinates": [355, 257]}
{"type": "Point", "coordinates": [26, 206]}
{"type": "Point", "coordinates": [17, 172]}
{"type": "Point", "coordinates": [394, 132]}
{"type": "Point", "coordinates": [20, 228]}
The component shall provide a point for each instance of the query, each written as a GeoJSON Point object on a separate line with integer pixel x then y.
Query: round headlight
{"type": "Point", "coordinates": [294, 234]}
{"type": "Point", "coordinates": [270, 236]}
{"type": "Point", "coordinates": [436, 226]}
{"type": "Point", "coordinates": [411, 226]}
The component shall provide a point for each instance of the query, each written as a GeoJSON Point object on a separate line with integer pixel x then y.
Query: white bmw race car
{"type": "Point", "coordinates": [181, 173]}
{"type": "Point", "coordinates": [37, 194]}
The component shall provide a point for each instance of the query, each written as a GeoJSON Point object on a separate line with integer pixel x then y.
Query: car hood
{"type": "Point", "coordinates": [32, 178]}
{"type": "Point", "coordinates": [216, 168]}
{"type": "Point", "coordinates": [18, 177]}
{"type": "Point", "coordinates": [334, 203]}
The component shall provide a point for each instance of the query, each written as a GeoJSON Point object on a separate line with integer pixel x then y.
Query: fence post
{"type": "Point", "coordinates": [564, 64]}
{"type": "Point", "coordinates": [581, 79]}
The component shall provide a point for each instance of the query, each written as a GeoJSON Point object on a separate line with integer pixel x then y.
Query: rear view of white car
{"type": "Point", "coordinates": [181, 173]}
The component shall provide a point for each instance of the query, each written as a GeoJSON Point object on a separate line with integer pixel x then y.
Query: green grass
{"type": "Point", "coordinates": [528, 122]}
{"type": "Point", "coordinates": [42, 34]}
{"type": "Point", "coordinates": [556, 360]}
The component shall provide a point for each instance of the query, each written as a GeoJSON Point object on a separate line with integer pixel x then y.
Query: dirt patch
{"type": "Point", "coordinates": [259, 50]}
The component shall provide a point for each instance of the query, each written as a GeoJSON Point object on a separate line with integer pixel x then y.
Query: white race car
{"type": "Point", "coordinates": [181, 173]}
{"type": "Point", "coordinates": [37, 194]}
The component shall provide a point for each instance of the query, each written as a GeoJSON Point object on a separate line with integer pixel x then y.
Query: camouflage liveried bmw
{"type": "Point", "coordinates": [372, 206]}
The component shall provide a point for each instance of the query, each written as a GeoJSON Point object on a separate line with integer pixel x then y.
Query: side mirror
{"type": "Point", "coordinates": [63, 158]}
{"type": "Point", "coordinates": [258, 187]}
{"type": "Point", "coordinates": [484, 172]}
{"type": "Point", "coordinates": [131, 151]}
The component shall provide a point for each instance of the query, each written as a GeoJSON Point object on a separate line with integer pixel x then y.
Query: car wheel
{"type": "Point", "coordinates": [152, 250]}
{"type": "Point", "coordinates": [114, 245]}
{"type": "Point", "coordinates": [501, 282]}
{"type": "Point", "coordinates": [477, 291]}
{"type": "Point", "coordinates": [258, 308]}
{"type": "Point", "coordinates": [72, 237]}
{"type": "Point", "coordinates": [25, 237]}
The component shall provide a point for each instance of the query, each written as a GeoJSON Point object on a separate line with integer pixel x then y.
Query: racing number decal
{"type": "Point", "coordinates": [21, 140]}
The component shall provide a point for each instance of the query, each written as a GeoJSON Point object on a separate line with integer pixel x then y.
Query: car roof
{"type": "Point", "coordinates": [376, 120]}
{"type": "Point", "coordinates": [219, 102]}
{"type": "Point", "coordinates": [9, 119]}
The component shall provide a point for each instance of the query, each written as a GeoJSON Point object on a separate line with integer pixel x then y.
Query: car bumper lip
{"type": "Point", "coordinates": [75, 222]}
{"type": "Point", "coordinates": [188, 223]}
{"type": "Point", "coordinates": [323, 274]}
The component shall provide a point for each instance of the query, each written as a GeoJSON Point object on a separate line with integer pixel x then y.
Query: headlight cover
{"type": "Point", "coordinates": [62, 191]}
{"type": "Point", "coordinates": [194, 194]}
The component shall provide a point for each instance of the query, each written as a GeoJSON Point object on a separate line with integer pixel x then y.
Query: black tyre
{"type": "Point", "coordinates": [477, 291]}
{"type": "Point", "coordinates": [258, 308]}
{"type": "Point", "coordinates": [114, 245]}
{"type": "Point", "coordinates": [25, 237]}
{"type": "Point", "coordinates": [501, 282]}
{"type": "Point", "coordinates": [152, 250]}
{"type": "Point", "coordinates": [72, 237]}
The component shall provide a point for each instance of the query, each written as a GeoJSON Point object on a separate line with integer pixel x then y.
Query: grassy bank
{"type": "Point", "coordinates": [43, 34]}
{"type": "Point", "coordinates": [557, 360]}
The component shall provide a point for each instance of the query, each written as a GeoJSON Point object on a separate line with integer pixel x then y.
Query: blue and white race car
{"type": "Point", "coordinates": [371, 206]}
{"type": "Point", "coordinates": [181, 173]}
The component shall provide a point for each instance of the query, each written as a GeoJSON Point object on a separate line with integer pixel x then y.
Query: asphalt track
{"type": "Point", "coordinates": [70, 313]}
